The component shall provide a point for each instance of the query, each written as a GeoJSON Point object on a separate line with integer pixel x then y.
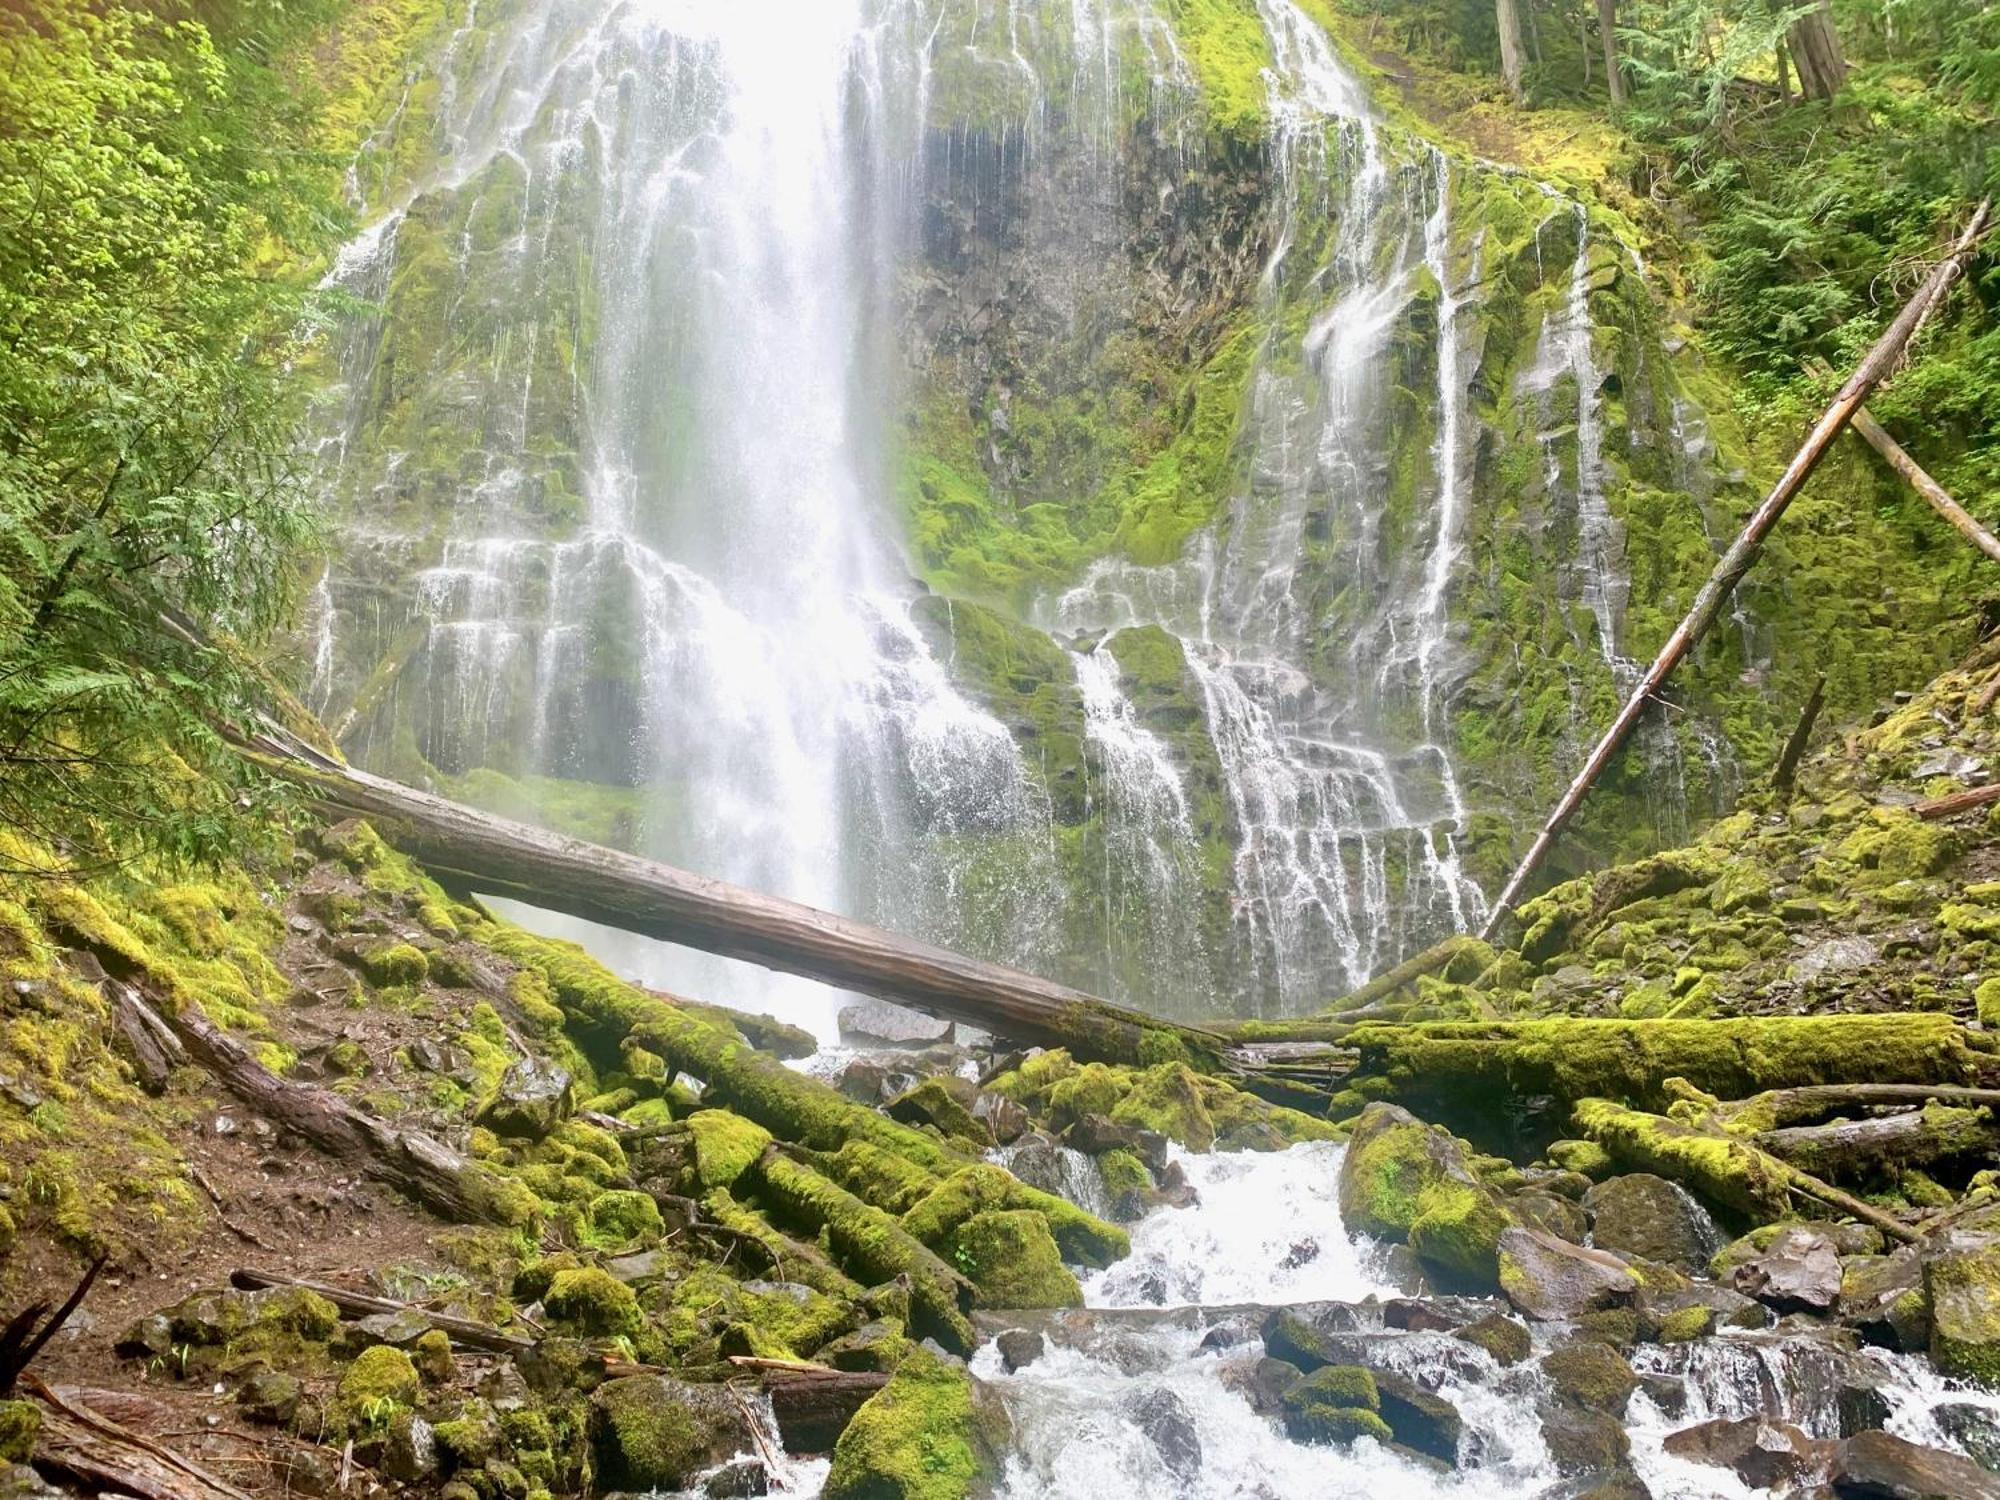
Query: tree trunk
{"type": "Point", "coordinates": [1815, 50]}
{"type": "Point", "coordinates": [1512, 61]}
{"type": "Point", "coordinates": [1884, 1143]}
{"type": "Point", "coordinates": [813, 1404]}
{"type": "Point", "coordinates": [1607, 31]}
{"type": "Point", "coordinates": [495, 856]}
{"type": "Point", "coordinates": [1795, 747]}
{"type": "Point", "coordinates": [1934, 494]}
{"type": "Point", "coordinates": [1784, 62]}
{"type": "Point", "coordinates": [1737, 561]}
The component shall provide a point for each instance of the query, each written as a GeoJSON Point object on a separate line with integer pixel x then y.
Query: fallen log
{"type": "Point", "coordinates": [1777, 1108]}
{"type": "Point", "coordinates": [1737, 561]}
{"type": "Point", "coordinates": [813, 1403]}
{"type": "Point", "coordinates": [1460, 1067]}
{"type": "Point", "coordinates": [1884, 1143]}
{"type": "Point", "coordinates": [870, 1244]}
{"type": "Point", "coordinates": [1934, 494]}
{"type": "Point", "coordinates": [494, 856]}
{"type": "Point", "coordinates": [1726, 1169]}
{"type": "Point", "coordinates": [416, 1164]}
{"type": "Point", "coordinates": [468, 1332]}
{"type": "Point", "coordinates": [103, 1455]}
{"type": "Point", "coordinates": [1385, 984]}
{"type": "Point", "coordinates": [1958, 802]}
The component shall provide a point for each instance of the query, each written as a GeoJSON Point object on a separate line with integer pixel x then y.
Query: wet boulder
{"type": "Point", "coordinates": [1165, 1420]}
{"type": "Point", "coordinates": [1583, 1442]}
{"type": "Point", "coordinates": [1407, 1181]}
{"type": "Point", "coordinates": [1879, 1466]}
{"type": "Point", "coordinates": [1011, 1257]}
{"type": "Point", "coordinates": [1551, 1280]}
{"type": "Point", "coordinates": [1007, 1120]}
{"type": "Point", "coordinates": [1500, 1336]}
{"type": "Point", "coordinates": [1974, 1428]}
{"type": "Point", "coordinates": [650, 1432]}
{"type": "Point", "coordinates": [1762, 1452]}
{"type": "Point", "coordinates": [1649, 1216]}
{"type": "Point", "coordinates": [1593, 1376]}
{"type": "Point", "coordinates": [1962, 1279]}
{"type": "Point", "coordinates": [1552, 1212]}
{"type": "Point", "coordinates": [1882, 1298]}
{"type": "Point", "coordinates": [1019, 1348]}
{"type": "Point", "coordinates": [1799, 1272]}
{"type": "Point", "coordinates": [1334, 1404]}
{"type": "Point", "coordinates": [534, 1096]}
{"type": "Point", "coordinates": [1420, 1419]}
{"type": "Point", "coordinates": [944, 1102]}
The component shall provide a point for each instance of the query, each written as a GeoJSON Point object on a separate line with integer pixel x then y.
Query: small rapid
{"type": "Point", "coordinates": [1153, 1388]}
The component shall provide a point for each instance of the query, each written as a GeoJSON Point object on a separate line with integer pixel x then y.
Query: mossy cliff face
{"type": "Point", "coordinates": [1372, 467]}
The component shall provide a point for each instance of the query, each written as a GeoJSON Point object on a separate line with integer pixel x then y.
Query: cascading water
{"type": "Point", "coordinates": [1346, 849]}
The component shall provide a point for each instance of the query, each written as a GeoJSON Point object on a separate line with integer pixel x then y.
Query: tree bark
{"type": "Point", "coordinates": [1607, 32]}
{"type": "Point", "coordinates": [1935, 495]}
{"type": "Point", "coordinates": [813, 1403]}
{"type": "Point", "coordinates": [1815, 48]}
{"type": "Point", "coordinates": [1784, 67]}
{"type": "Point", "coordinates": [1737, 561]}
{"type": "Point", "coordinates": [1879, 1143]}
{"type": "Point", "coordinates": [495, 856]}
{"type": "Point", "coordinates": [1512, 53]}
{"type": "Point", "coordinates": [1795, 747]}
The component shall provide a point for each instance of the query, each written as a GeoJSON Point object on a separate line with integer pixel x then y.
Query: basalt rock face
{"type": "Point", "coordinates": [1287, 496]}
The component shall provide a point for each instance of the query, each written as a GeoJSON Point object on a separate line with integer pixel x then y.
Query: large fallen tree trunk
{"type": "Point", "coordinates": [1729, 571]}
{"type": "Point", "coordinates": [813, 1403]}
{"type": "Point", "coordinates": [497, 857]}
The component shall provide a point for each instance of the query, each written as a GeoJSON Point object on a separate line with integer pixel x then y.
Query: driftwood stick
{"type": "Point", "coordinates": [466, 1331]}
{"type": "Point", "coordinates": [109, 1456]}
{"type": "Point", "coordinates": [1795, 747]}
{"type": "Point", "coordinates": [1987, 694]}
{"type": "Point", "coordinates": [1958, 802]}
{"type": "Point", "coordinates": [1737, 561]}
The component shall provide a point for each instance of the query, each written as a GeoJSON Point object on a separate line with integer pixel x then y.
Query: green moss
{"type": "Point", "coordinates": [725, 1146]}
{"type": "Point", "coordinates": [1963, 1285]}
{"type": "Point", "coordinates": [915, 1439]}
{"type": "Point", "coordinates": [20, 1426]}
{"type": "Point", "coordinates": [299, 1311]}
{"type": "Point", "coordinates": [395, 964]}
{"type": "Point", "coordinates": [380, 1379]}
{"type": "Point", "coordinates": [1227, 46]}
{"type": "Point", "coordinates": [1168, 1099]}
{"type": "Point", "coordinates": [1083, 1238]}
{"type": "Point", "coordinates": [1508, 1341]}
{"type": "Point", "coordinates": [431, 1354]}
{"type": "Point", "coordinates": [1405, 1180]}
{"type": "Point", "coordinates": [1011, 1257]}
{"type": "Point", "coordinates": [643, 1438]}
{"type": "Point", "coordinates": [590, 1300]}
{"type": "Point", "coordinates": [1128, 1183]}
{"type": "Point", "coordinates": [624, 1215]}
{"type": "Point", "coordinates": [1686, 1324]}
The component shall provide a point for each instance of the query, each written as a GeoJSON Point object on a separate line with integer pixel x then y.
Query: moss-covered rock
{"type": "Point", "coordinates": [1507, 1341]}
{"type": "Point", "coordinates": [1334, 1404]}
{"type": "Point", "coordinates": [1168, 1099]}
{"type": "Point", "coordinates": [1963, 1283]}
{"type": "Point", "coordinates": [1011, 1257]}
{"type": "Point", "coordinates": [624, 1215]}
{"type": "Point", "coordinates": [590, 1300]}
{"type": "Point", "coordinates": [648, 1432]}
{"type": "Point", "coordinates": [381, 1380]}
{"type": "Point", "coordinates": [1408, 1181]}
{"type": "Point", "coordinates": [1082, 1237]}
{"type": "Point", "coordinates": [918, 1438]}
{"type": "Point", "coordinates": [1591, 1375]}
{"type": "Point", "coordinates": [431, 1354]}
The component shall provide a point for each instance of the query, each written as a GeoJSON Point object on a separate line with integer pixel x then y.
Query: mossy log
{"type": "Point", "coordinates": [1885, 1143]}
{"type": "Point", "coordinates": [463, 847]}
{"type": "Point", "coordinates": [1725, 1169]}
{"type": "Point", "coordinates": [870, 1244]}
{"type": "Point", "coordinates": [812, 1403]}
{"type": "Point", "coordinates": [1458, 1066]}
{"type": "Point", "coordinates": [466, 1331]}
{"type": "Point", "coordinates": [1781, 1107]}
{"type": "Point", "coordinates": [785, 1258]}
{"type": "Point", "coordinates": [424, 1168]}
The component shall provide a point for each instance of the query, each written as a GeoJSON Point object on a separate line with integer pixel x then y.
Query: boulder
{"type": "Point", "coordinates": [1019, 1348]}
{"type": "Point", "coordinates": [1334, 1404]}
{"type": "Point", "coordinates": [1407, 1181]}
{"type": "Point", "coordinates": [1007, 1120]}
{"type": "Point", "coordinates": [534, 1096]}
{"type": "Point", "coordinates": [650, 1432]}
{"type": "Point", "coordinates": [1550, 1279]}
{"type": "Point", "coordinates": [1551, 1211]}
{"type": "Point", "coordinates": [878, 1021]}
{"type": "Point", "coordinates": [1583, 1442]}
{"type": "Point", "coordinates": [1799, 1272]}
{"type": "Point", "coordinates": [1976, 1429]}
{"type": "Point", "coordinates": [1963, 1281]}
{"type": "Point", "coordinates": [1651, 1217]}
{"type": "Point", "coordinates": [1165, 1420]}
{"type": "Point", "coordinates": [1500, 1336]}
{"type": "Point", "coordinates": [1011, 1257]}
{"type": "Point", "coordinates": [1877, 1466]}
{"type": "Point", "coordinates": [1882, 1298]}
{"type": "Point", "coordinates": [1420, 1419]}
{"type": "Point", "coordinates": [944, 1102]}
{"type": "Point", "coordinates": [1593, 1376]}
{"type": "Point", "coordinates": [1762, 1452]}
